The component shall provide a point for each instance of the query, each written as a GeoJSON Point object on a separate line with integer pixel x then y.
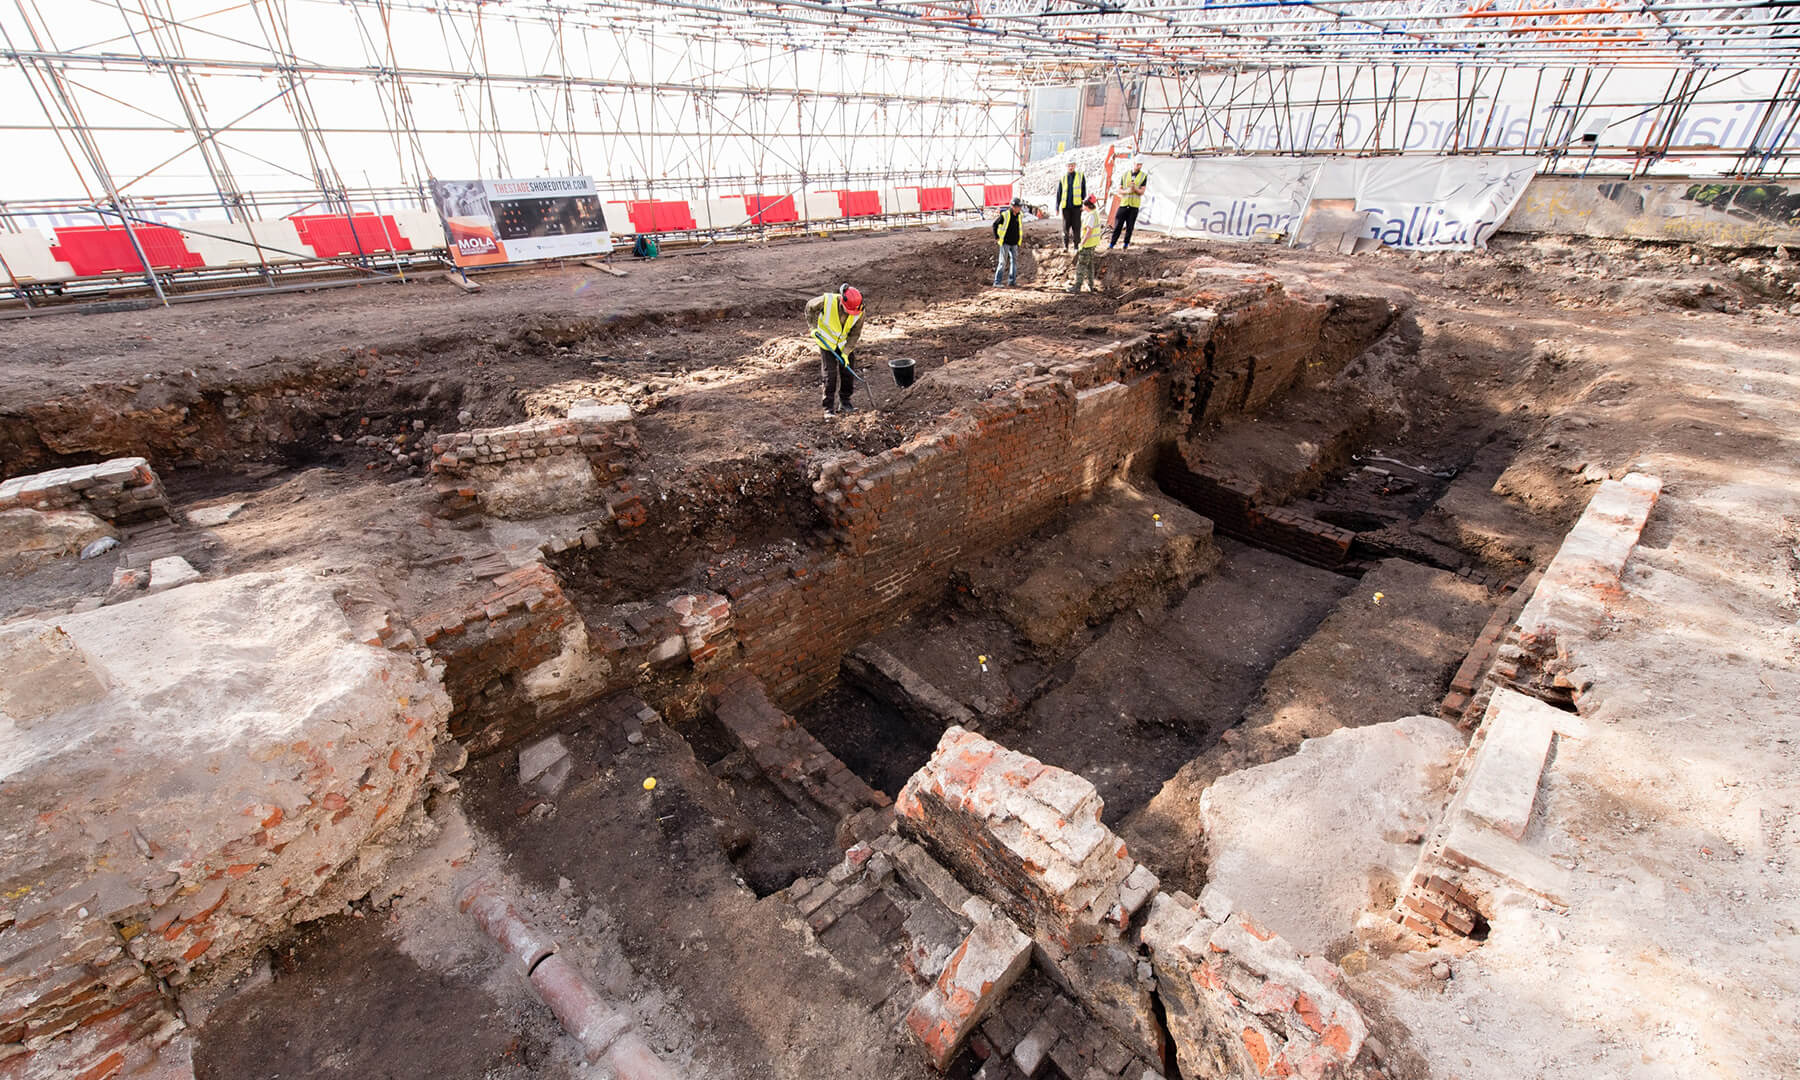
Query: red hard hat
{"type": "Point", "coordinates": [852, 298]}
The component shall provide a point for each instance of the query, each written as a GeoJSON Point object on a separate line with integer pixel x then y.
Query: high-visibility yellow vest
{"type": "Point", "coordinates": [1006, 220]}
{"type": "Point", "coordinates": [1066, 198]}
{"type": "Point", "coordinates": [1132, 181]}
{"type": "Point", "coordinates": [1090, 229]}
{"type": "Point", "coordinates": [833, 329]}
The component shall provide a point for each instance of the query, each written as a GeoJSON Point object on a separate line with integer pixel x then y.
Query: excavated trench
{"type": "Point", "coordinates": [1247, 491]}
{"type": "Point", "coordinates": [1140, 681]}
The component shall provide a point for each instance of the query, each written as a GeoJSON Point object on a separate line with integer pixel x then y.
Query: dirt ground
{"type": "Point", "coordinates": [1533, 371]}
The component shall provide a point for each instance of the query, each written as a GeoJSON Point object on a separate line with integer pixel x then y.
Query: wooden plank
{"type": "Point", "coordinates": [596, 264]}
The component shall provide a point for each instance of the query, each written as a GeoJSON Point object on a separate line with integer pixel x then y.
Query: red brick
{"type": "Point", "coordinates": [108, 1066]}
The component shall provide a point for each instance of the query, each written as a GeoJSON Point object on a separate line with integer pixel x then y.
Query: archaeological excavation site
{"type": "Point", "coordinates": [1341, 643]}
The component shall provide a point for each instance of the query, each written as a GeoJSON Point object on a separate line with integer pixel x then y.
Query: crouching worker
{"type": "Point", "coordinates": [835, 320]}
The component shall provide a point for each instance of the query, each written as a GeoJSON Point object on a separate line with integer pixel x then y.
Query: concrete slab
{"type": "Point", "coordinates": [1503, 782]}
{"type": "Point", "coordinates": [1310, 842]}
{"type": "Point", "coordinates": [209, 517]}
{"type": "Point", "coordinates": [544, 766]}
{"type": "Point", "coordinates": [29, 538]}
{"type": "Point", "coordinates": [46, 672]}
{"type": "Point", "coordinates": [1473, 843]}
{"type": "Point", "coordinates": [169, 572]}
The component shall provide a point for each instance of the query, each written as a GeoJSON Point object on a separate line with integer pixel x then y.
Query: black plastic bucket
{"type": "Point", "coordinates": [904, 371]}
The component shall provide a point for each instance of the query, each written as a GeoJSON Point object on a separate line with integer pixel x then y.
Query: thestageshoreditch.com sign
{"type": "Point", "coordinates": [488, 222]}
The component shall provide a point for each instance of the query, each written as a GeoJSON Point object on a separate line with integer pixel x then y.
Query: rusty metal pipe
{"type": "Point", "coordinates": [605, 1031]}
{"type": "Point", "coordinates": [493, 911]}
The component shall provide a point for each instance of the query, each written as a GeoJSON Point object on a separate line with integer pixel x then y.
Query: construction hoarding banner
{"type": "Point", "coordinates": [1414, 203]}
{"type": "Point", "coordinates": [1430, 204]}
{"type": "Point", "coordinates": [488, 222]}
{"type": "Point", "coordinates": [1228, 198]}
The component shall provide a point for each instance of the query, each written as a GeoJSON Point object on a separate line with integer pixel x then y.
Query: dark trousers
{"type": "Point", "coordinates": [837, 380]}
{"type": "Point", "coordinates": [1127, 220]}
{"type": "Point", "coordinates": [1071, 226]}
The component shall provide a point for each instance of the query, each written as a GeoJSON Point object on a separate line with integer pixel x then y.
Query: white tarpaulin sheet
{"type": "Point", "coordinates": [1430, 204]}
{"type": "Point", "coordinates": [1228, 198]}
{"type": "Point", "coordinates": [1416, 203]}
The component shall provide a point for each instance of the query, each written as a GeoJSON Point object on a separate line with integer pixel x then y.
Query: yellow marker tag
{"type": "Point", "coordinates": [1378, 597]}
{"type": "Point", "coordinates": [649, 783]}
{"type": "Point", "coordinates": [1158, 519]}
{"type": "Point", "coordinates": [982, 660]}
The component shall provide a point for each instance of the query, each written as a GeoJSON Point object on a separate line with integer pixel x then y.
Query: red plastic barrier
{"type": "Point", "coordinates": [997, 194]}
{"type": "Point", "coordinates": [771, 209]}
{"type": "Point", "coordinates": [858, 203]}
{"type": "Point", "coordinates": [938, 198]}
{"type": "Point", "coordinates": [331, 235]}
{"type": "Point", "coordinates": [659, 215]}
{"type": "Point", "coordinates": [106, 249]}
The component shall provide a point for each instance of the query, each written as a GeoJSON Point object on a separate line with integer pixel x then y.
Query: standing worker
{"type": "Point", "coordinates": [1131, 196]}
{"type": "Point", "coordinates": [1007, 229]}
{"type": "Point", "coordinates": [1069, 195]}
{"type": "Point", "coordinates": [1091, 229]}
{"type": "Point", "coordinates": [835, 320]}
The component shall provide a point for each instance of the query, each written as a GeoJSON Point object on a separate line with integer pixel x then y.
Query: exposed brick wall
{"type": "Point", "coordinates": [788, 755]}
{"type": "Point", "coordinates": [1029, 837]}
{"type": "Point", "coordinates": [1231, 504]}
{"type": "Point", "coordinates": [90, 947]}
{"type": "Point", "coordinates": [1442, 895]}
{"type": "Point", "coordinates": [900, 520]}
{"type": "Point", "coordinates": [517, 626]}
{"type": "Point", "coordinates": [460, 460]}
{"type": "Point", "coordinates": [121, 490]}
{"type": "Point", "coordinates": [895, 523]}
{"type": "Point", "coordinates": [526, 619]}
{"type": "Point", "coordinates": [1241, 1002]}
{"type": "Point", "coordinates": [1466, 684]}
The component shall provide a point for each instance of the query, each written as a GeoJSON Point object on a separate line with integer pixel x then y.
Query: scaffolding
{"type": "Point", "coordinates": [239, 111]}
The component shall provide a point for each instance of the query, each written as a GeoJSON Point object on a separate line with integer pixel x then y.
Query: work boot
{"type": "Point", "coordinates": [846, 407]}
{"type": "Point", "coordinates": [830, 412]}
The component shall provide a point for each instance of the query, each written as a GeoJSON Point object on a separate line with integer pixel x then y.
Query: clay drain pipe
{"type": "Point", "coordinates": [604, 1030]}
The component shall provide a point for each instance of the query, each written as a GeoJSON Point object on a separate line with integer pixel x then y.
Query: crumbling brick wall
{"type": "Point", "coordinates": [894, 524]}
{"type": "Point", "coordinates": [117, 890]}
{"type": "Point", "coordinates": [492, 651]}
{"type": "Point", "coordinates": [1238, 1000]}
{"type": "Point", "coordinates": [1232, 505]}
{"type": "Point", "coordinates": [603, 435]}
{"type": "Point", "coordinates": [1029, 837]}
{"type": "Point", "coordinates": [1446, 892]}
{"type": "Point", "coordinates": [121, 491]}
{"type": "Point", "coordinates": [1241, 1002]}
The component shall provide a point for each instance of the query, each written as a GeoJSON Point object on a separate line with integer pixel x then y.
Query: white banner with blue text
{"type": "Point", "coordinates": [1414, 203]}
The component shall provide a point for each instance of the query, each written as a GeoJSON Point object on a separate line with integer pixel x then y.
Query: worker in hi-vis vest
{"type": "Point", "coordinates": [835, 320]}
{"type": "Point", "coordinates": [1008, 228]}
{"type": "Point", "coordinates": [1131, 196]}
{"type": "Point", "coordinates": [1069, 196]}
{"type": "Point", "coordinates": [1092, 228]}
